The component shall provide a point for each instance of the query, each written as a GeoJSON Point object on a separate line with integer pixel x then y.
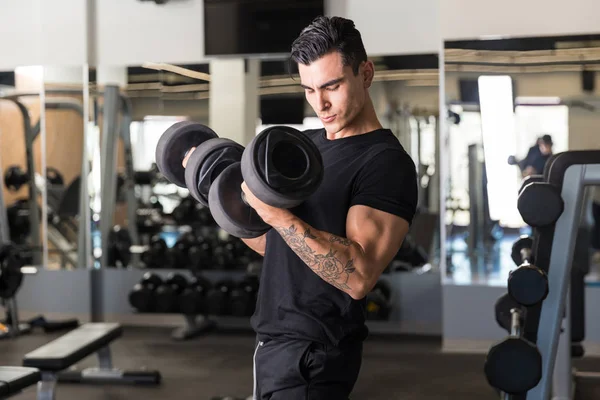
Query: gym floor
{"type": "Point", "coordinates": [220, 364]}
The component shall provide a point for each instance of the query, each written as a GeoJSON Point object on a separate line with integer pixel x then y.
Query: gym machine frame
{"type": "Point", "coordinates": [555, 348]}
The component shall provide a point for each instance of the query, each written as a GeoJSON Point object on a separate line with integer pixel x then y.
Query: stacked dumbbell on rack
{"type": "Point", "coordinates": [514, 365]}
{"type": "Point", "coordinates": [177, 294]}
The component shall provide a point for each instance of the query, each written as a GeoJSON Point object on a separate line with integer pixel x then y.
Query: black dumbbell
{"type": "Point", "coordinates": [503, 308]}
{"type": "Point", "coordinates": [193, 299]}
{"type": "Point", "coordinates": [200, 255]}
{"type": "Point", "coordinates": [243, 297]}
{"type": "Point", "coordinates": [540, 204]}
{"type": "Point", "coordinates": [514, 365]}
{"type": "Point", "coordinates": [218, 297]}
{"type": "Point", "coordinates": [156, 255]}
{"type": "Point", "coordinates": [15, 177]}
{"type": "Point", "coordinates": [119, 245]}
{"type": "Point", "coordinates": [167, 294]}
{"type": "Point", "coordinates": [142, 296]}
{"type": "Point", "coordinates": [379, 301]}
{"type": "Point", "coordinates": [281, 166]}
{"type": "Point", "coordinates": [54, 177]}
{"type": "Point", "coordinates": [528, 284]}
{"type": "Point", "coordinates": [177, 256]}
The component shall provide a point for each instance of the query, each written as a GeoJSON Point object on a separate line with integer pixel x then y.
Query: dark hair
{"type": "Point", "coordinates": [327, 34]}
{"type": "Point", "coordinates": [547, 139]}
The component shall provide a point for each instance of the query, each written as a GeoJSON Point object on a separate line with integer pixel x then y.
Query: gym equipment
{"type": "Point", "coordinates": [142, 296]}
{"type": "Point", "coordinates": [379, 304]}
{"type": "Point", "coordinates": [218, 297]}
{"type": "Point", "coordinates": [166, 295]}
{"type": "Point", "coordinates": [55, 359]}
{"type": "Point", "coordinates": [192, 301]}
{"type": "Point", "coordinates": [243, 297]}
{"type": "Point", "coordinates": [514, 365]}
{"type": "Point", "coordinates": [156, 255]}
{"type": "Point", "coordinates": [119, 247]}
{"type": "Point", "coordinates": [570, 172]}
{"type": "Point", "coordinates": [280, 166]}
{"type": "Point", "coordinates": [15, 177]}
{"type": "Point", "coordinates": [207, 162]}
{"type": "Point", "coordinates": [13, 380]}
{"type": "Point", "coordinates": [11, 276]}
{"type": "Point", "coordinates": [503, 308]}
{"type": "Point", "coordinates": [174, 145]}
{"type": "Point", "coordinates": [540, 204]}
{"type": "Point", "coordinates": [528, 284]}
{"type": "Point", "coordinates": [206, 165]}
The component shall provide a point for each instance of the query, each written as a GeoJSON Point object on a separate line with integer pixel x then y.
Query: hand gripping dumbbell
{"type": "Point", "coordinates": [528, 284]}
{"type": "Point", "coordinates": [514, 365]}
{"type": "Point", "coordinates": [281, 166]}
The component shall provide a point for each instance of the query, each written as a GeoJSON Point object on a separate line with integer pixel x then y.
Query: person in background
{"type": "Point", "coordinates": [537, 156]}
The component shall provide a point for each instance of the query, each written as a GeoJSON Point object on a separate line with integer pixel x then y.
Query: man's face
{"type": "Point", "coordinates": [545, 148]}
{"type": "Point", "coordinates": [336, 95]}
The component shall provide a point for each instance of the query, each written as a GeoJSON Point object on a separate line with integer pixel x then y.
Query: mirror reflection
{"type": "Point", "coordinates": [66, 169]}
{"type": "Point", "coordinates": [512, 104]}
{"type": "Point", "coordinates": [22, 157]}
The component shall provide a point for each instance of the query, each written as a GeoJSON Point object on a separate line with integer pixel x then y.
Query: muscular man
{"type": "Point", "coordinates": [323, 257]}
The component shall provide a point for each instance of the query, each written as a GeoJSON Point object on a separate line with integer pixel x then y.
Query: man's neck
{"type": "Point", "coordinates": [364, 122]}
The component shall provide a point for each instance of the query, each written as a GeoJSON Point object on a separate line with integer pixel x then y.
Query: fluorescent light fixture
{"type": "Point", "coordinates": [499, 142]}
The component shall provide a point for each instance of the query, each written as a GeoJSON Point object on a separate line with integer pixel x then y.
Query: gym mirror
{"type": "Point", "coordinates": [22, 156]}
{"type": "Point", "coordinates": [511, 104]}
{"type": "Point", "coordinates": [67, 171]}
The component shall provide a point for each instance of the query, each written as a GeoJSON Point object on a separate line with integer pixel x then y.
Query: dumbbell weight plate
{"type": "Point", "coordinates": [173, 146]}
{"type": "Point", "coordinates": [207, 162]}
{"type": "Point", "coordinates": [229, 210]}
{"type": "Point", "coordinates": [514, 365]}
{"type": "Point", "coordinates": [524, 242]}
{"type": "Point", "coordinates": [282, 166]}
{"type": "Point", "coordinates": [540, 204]}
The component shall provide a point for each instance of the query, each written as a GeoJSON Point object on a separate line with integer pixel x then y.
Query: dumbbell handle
{"type": "Point", "coordinates": [515, 326]}
{"type": "Point", "coordinates": [526, 255]}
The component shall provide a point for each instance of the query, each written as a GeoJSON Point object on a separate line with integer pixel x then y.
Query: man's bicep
{"type": "Point", "coordinates": [378, 233]}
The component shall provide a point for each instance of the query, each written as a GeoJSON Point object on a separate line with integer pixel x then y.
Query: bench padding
{"type": "Point", "coordinates": [15, 379]}
{"type": "Point", "coordinates": [69, 349]}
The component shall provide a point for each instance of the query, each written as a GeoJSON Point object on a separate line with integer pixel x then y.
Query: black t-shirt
{"type": "Point", "coordinates": [371, 169]}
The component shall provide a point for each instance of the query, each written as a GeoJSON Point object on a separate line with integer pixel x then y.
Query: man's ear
{"type": "Point", "coordinates": [368, 73]}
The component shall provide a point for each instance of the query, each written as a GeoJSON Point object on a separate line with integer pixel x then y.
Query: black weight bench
{"type": "Point", "coordinates": [13, 380]}
{"type": "Point", "coordinates": [54, 358]}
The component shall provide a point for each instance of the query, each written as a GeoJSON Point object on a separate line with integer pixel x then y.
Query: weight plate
{"type": "Point", "coordinates": [11, 276]}
{"type": "Point", "coordinates": [175, 143]}
{"type": "Point", "coordinates": [229, 210]}
{"type": "Point", "coordinates": [207, 162]}
{"type": "Point", "coordinates": [282, 166]}
{"type": "Point", "coordinates": [540, 204]}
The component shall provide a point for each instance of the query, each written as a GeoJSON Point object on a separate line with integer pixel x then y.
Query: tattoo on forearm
{"type": "Point", "coordinates": [328, 266]}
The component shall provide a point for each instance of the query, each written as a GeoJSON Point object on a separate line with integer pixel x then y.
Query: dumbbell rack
{"type": "Point", "coordinates": [549, 323]}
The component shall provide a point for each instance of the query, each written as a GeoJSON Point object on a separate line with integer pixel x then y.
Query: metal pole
{"type": "Point", "coordinates": [130, 179]}
{"type": "Point", "coordinates": [108, 183]}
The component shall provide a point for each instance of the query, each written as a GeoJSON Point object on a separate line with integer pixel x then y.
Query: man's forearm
{"type": "Point", "coordinates": [258, 244]}
{"type": "Point", "coordinates": [337, 260]}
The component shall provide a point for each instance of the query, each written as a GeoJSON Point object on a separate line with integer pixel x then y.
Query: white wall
{"type": "Point", "coordinates": [466, 19]}
{"type": "Point", "coordinates": [132, 32]}
{"type": "Point", "coordinates": [35, 32]}
{"type": "Point", "coordinates": [396, 26]}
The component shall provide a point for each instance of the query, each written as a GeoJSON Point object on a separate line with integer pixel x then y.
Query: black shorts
{"type": "Point", "coordinates": [303, 370]}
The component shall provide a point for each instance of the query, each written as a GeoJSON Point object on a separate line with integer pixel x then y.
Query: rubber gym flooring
{"type": "Point", "coordinates": [220, 364]}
